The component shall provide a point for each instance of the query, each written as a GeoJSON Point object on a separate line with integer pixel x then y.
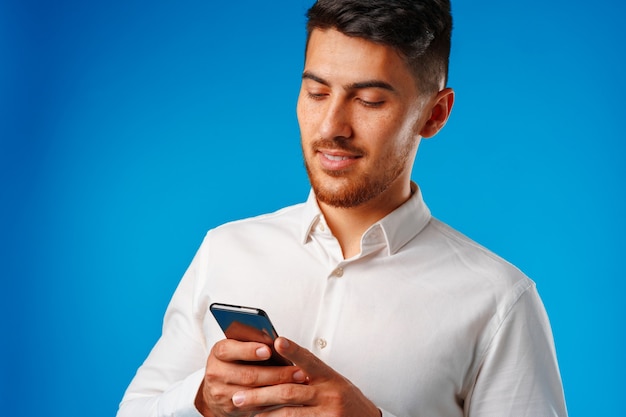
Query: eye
{"type": "Point", "coordinates": [373, 104]}
{"type": "Point", "coordinates": [316, 96]}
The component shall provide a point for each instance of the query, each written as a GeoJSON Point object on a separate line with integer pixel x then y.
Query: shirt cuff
{"type": "Point", "coordinates": [386, 413]}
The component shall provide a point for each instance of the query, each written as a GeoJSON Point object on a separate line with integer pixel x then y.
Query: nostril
{"type": "Point", "coordinates": [336, 124]}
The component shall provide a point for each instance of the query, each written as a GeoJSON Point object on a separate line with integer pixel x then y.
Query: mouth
{"type": "Point", "coordinates": [332, 157]}
{"type": "Point", "coordinates": [337, 160]}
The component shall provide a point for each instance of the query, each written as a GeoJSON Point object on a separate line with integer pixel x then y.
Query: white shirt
{"type": "Point", "coordinates": [424, 321]}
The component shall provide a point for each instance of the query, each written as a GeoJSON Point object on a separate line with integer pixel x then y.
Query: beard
{"type": "Point", "coordinates": [347, 189]}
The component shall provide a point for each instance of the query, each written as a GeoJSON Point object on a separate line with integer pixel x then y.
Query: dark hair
{"type": "Point", "coordinates": [420, 30]}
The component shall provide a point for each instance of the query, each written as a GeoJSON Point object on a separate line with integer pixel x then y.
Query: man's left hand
{"type": "Point", "coordinates": [326, 393]}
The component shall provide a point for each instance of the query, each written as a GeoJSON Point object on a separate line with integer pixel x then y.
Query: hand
{"type": "Point", "coordinates": [326, 393]}
{"type": "Point", "coordinates": [230, 368]}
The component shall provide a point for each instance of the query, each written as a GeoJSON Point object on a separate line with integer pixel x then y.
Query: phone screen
{"type": "Point", "coordinates": [248, 324]}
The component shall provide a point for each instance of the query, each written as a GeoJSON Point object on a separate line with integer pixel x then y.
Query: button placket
{"type": "Point", "coordinates": [329, 310]}
{"type": "Point", "coordinates": [337, 272]}
{"type": "Point", "coordinates": [321, 343]}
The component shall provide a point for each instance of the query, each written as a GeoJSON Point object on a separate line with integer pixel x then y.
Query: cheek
{"type": "Point", "coordinates": [394, 139]}
{"type": "Point", "coordinates": [307, 120]}
{"type": "Point", "coordinates": [382, 129]}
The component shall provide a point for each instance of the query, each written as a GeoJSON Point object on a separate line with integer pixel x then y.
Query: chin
{"type": "Point", "coordinates": [346, 196]}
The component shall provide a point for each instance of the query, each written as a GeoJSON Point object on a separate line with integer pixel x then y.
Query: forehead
{"type": "Point", "coordinates": [344, 59]}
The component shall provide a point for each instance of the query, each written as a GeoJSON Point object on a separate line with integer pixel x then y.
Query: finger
{"type": "Point", "coordinates": [303, 358]}
{"type": "Point", "coordinates": [245, 375]}
{"type": "Point", "coordinates": [222, 381]}
{"type": "Point", "coordinates": [275, 395]}
{"type": "Point", "coordinates": [229, 350]}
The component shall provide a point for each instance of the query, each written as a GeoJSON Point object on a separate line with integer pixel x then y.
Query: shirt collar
{"type": "Point", "coordinates": [398, 227]}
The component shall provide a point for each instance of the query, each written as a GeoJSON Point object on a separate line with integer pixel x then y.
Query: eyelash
{"type": "Point", "coordinates": [370, 104]}
{"type": "Point", "coordinates": [316, 96]}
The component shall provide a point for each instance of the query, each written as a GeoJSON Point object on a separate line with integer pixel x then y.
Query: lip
{"type": "Point", "coordinates": [334, 160]}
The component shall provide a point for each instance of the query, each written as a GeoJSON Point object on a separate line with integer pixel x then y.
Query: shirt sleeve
{"type": "Point", "coordinates": [385, 413]}
{"type": "Point", "coordinates": [167, 382]}
{"type": "Point", "coordinates": [519, 375]}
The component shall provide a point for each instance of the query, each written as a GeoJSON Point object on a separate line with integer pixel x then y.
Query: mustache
{"type": "Point", "coordinates": [337, 144]}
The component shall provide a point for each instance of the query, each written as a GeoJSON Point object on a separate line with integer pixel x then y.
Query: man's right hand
{"type": "Point", "coordinates": [230, 368]}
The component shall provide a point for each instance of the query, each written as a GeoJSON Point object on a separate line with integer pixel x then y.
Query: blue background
{"type": "Point", "coordinates": [128, 128]}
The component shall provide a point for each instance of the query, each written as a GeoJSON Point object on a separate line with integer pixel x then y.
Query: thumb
{"type": "Point", "coordinates": [310, 364]}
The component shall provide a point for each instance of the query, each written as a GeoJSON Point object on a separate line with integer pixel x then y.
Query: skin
{"type": "Point", "coordinates": [359, 101]}
{"type": "Point", "coordinates": [361, 119]}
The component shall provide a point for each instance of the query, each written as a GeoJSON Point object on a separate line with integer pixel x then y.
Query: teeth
{"type": "Point", "coordinates": [336, 157]}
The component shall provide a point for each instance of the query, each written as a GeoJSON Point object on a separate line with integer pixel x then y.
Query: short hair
{"type": "Point", "coordinates": [420, 30]}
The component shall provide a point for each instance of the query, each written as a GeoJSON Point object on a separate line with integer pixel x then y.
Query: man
{"type": "Point", "coordinates": [387, 310]}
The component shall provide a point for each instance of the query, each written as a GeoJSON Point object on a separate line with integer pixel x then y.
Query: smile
{"type": "Point", "coordinates": [336, 162]}
{"type": "Point", "coordinates": [337, 157]}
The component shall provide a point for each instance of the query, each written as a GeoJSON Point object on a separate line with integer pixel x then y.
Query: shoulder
{"type": "Point", "coordinates": [460, 243]}
{"type": "Point", "coordinates": [473, 263]}
{"type": "Point", "coordinates": [285, 220]}
{"type": "Point", "coordinates": [237, 241]}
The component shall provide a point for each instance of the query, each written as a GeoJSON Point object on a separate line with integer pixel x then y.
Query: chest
{"type": "Point", "coordinates": [399, 334]}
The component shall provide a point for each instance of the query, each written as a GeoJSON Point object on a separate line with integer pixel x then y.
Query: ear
{"type": "Point", "coordinates": [439, 113]}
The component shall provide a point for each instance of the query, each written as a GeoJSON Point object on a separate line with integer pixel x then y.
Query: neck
{"type": "Point", "coordinates": [349, 224]}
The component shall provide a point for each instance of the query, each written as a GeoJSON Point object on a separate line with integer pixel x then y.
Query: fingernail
{"type": "Point", "coordinates": [283, 343]}
{"type": "Point", "coordinates": [299, 376]}
{"type": "Point", "coordinates": [263, 352]}
{"type": "Point", "coordinates": [239, 398]}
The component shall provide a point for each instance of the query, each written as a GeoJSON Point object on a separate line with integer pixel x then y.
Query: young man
{"type": "Point", "coordinates": [387, 310]}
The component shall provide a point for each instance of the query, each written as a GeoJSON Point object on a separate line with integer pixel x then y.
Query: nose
{"type": "Point", "coordinates": [336, 121]}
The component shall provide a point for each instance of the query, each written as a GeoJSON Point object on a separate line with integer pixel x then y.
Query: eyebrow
{"type": "Point", "coordinates": [306, 75]}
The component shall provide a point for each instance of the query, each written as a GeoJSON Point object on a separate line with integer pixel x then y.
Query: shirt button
{"type": "Point", "coordinates": [321, 227]}
{"type": "Point", "coordinates": [322, 343]}
{"type": "Point", "coordinates": [338, 272]}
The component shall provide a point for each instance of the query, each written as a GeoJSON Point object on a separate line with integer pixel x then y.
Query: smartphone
{"type": "Point", "coordinates": [248, 324]}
